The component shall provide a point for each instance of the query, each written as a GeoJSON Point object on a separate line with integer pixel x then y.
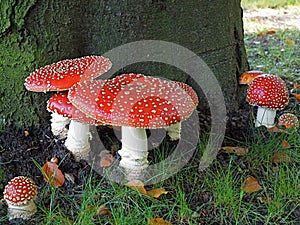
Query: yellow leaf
{"type": "Point", "coordinates": [236, 150]}
{"type": "Point", "coordinates": [290, 42]}
{"type": "Point", "coordinates": [251, 185]}
{"type": "Point", "coordinates": [156, 193]}
{"type": "Point", "coordinates": [279, 157]}
{"type": "Point", "coordinates": [296, 85]}
{"type": "Point", "coordinates": [158, 221]}
{"type": "Point", "coordinates": [137, 185]}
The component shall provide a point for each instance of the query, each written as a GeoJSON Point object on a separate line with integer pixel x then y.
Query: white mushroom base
{"type": "Point", "coordinates": [58, 125]}
{"type": "Point", "coordinates": [265, 117]}
{"type": "Point", "coordinates": [134, 152]}
{"type": "Point", "coordinates": [174, 131]}
{"type": "Point", "coordinates": [21, 211]}
{"type": "Point", "coordinates": [77, 141]}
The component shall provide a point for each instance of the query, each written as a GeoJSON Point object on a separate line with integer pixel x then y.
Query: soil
{"type": "Point", "coordinates": [19, 148]}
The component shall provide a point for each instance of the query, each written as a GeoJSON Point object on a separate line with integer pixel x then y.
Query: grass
{"type": "Point", "coordinates": [253, 4]}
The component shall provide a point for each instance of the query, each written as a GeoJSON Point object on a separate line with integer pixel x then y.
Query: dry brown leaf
{"type": "Point", "coordinates": [297, 96]}
{"type": "Point", "coordinates": [158, 221]}
{"type": "Point", "coordinates": [279, 157]}
{"type": "Point", "coordinates": [137, 185]}
{"type": "Point", "coordinates": [106, 160]}
{"type": "Point", "coordinates": [156, 193]}
{"type": "Point", "coordinates": [251, 185]}
{"type": "Point", "coordinates": [285, 144]}
{"type": "Point", "coordinates": [290, 42]}
{"type": "Point", "coordinates": [53, 174]}
{"type": "Point", "coordinates": [296, 85]}
{"type": "Point", "coordinates": [236, 150]}
{"type": "Point", "coordinates": [271, 31]}
{"type": "Point", "coordinates": [103, 211]}
{"type": "Point", "coordinates": [26, 133]}
{"type": "Point", "coordinates": [261, 34]}
{"type": "Point", "coordinates": [277, 130]}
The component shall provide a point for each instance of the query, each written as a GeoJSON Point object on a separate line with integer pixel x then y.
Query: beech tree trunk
{"type": "Point", "coordinates": [36, 33]}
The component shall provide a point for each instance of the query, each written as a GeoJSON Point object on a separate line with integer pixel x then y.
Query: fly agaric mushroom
{"type": "Point", "coordinates": [135, 102]}
{"type": "Point", "coordinates": [288, 120]}
{"type": "Point", "coordinates": [78, 136]}
{"type": "Point", "coordinates": [269, 93]}
{"type": "Point", "coordinates": [19, 195]}
{"type": "Point", "coordinates": [61, 76]}
{"type": "Point", "coordinates": [249, 76]}
{"type": "Point", "coordinates": [174, 130]}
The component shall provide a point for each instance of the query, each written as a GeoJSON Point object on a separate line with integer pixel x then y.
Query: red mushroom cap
{"type": "Point", "coordinates": [288, 120]}
{"type": "Point", "coordinates": [268, 91]}
{"type": "Point", "coordinates": [248, 76]}
{"type": "Point", "coordinates": [20, 190]}
{"type": "Point", "coordinates": [60, 104]}
{"type": "Point", "coordinates": [62, 75]}
{"type": "Point", "coordinates": [134, 100]}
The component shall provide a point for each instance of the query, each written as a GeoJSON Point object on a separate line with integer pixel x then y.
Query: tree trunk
{"type": "Point", "coordinates": [35, 33]}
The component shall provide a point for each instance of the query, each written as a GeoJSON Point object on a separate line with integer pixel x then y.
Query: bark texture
{"type": "Point", "coordinates": [35, 33]}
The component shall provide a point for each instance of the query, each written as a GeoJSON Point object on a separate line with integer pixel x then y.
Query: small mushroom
{"type": "Point", "coordinates": [288, 120]}
{"type": "Point", "coordinates": [135, 102]}
{"type": "Point", "coordinates": [78, 136]}
{"type": "Point", "coordinates": [19, 195]}
{"type": "Point", "coordinates": [61, 76]}
{"type": "Point", "coordinates": [248, 76]}
{"type": "Point", "coordinates": [269, 93]}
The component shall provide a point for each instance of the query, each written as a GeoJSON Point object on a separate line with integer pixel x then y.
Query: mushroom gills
{"type": "Point", "coordinates": [265, 117]}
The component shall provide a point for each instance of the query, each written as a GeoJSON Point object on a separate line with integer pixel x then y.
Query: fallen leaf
{"type": "Point", "coordinates": [261, 34]}
{"type": "Point", "coordinates": [52, 174]}
{"type": "Point", "coordinates": [271, 31]}
{"type": "Point", "coordinates": [103, 211]}
{"type": "Point", "coordinates": [26, 133]}
{"type": "Point", "coordinates": [296, 85]}
{"type": "Point", "coordinates": [156, 193]}
{"type": "Point", "coordinates": [277, 130]}
{"type": "Point", "coordinates": [279, 157]}
{"type": "Point", "coordinates": [106, 160]}
{"type": "Point", "coordinates": [285, 144]}
{"type": "Point", "coordinates": [290, 42]}
{"type": "Point", "coordinates": [236, 150]}
{"type": "Point", "coordinates": [297, 96]}
{"type": "Point", "coordinates": [251, 185]}
{"type": "Point", "coordinates": [137, 185]}
{"type": "Point", "coordinates": [158, 221]}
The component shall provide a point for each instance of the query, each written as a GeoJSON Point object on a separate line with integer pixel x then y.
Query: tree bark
{"type": "Point", "coordinates": [36, 33]}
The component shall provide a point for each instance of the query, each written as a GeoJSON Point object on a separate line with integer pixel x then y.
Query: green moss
{"type": "Point", "coordinates": [13, 12]}
{"type": "Point", "coordinates": [16, 61]}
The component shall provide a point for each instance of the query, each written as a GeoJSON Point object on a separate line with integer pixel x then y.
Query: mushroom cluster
{"type": "Point", "coordinates": [60, 76]}
{"type": "Point", "coordinates": [19, 195]}
{"type": "Point", "coordinates": [135, 102]}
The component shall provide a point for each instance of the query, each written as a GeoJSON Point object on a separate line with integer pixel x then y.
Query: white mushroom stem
{"type": "Point", "coordinates": [58, 125]}
{"type": "Point", "coordinates": [23, 211]}
{"type": "Point", "coordinates": [134, 152]}
{"type": "Point", "coordinates": [265, 117]}
{"type": "Point", "coordinates": [78, 139]}
{"type": "Point", "coordinates": [174, 131]}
